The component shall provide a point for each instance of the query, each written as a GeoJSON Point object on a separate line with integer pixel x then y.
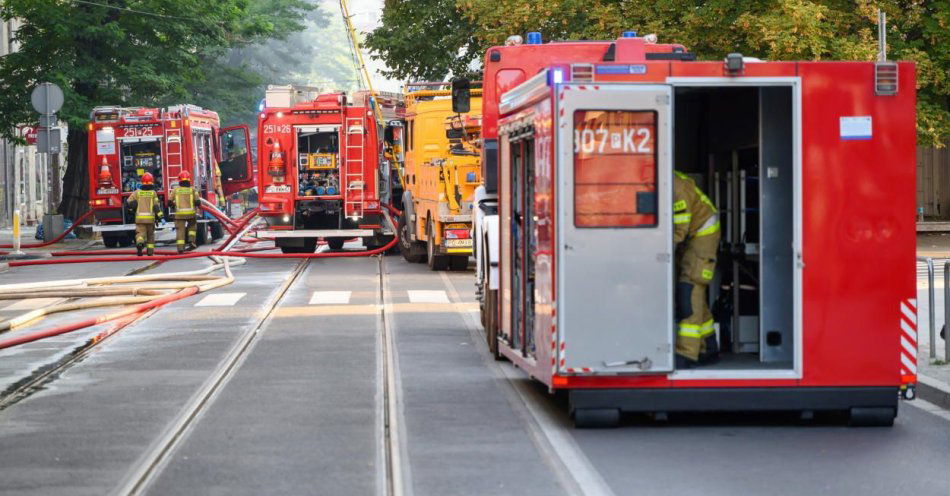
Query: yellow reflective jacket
{"type": "Point", "coordinates": [184, 199]}
{"type": "Point", "coordinates": [694, 215]}
{"type": "Point", "coordinates": [146, 207]}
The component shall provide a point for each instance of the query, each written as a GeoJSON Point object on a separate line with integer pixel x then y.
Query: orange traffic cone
{"type": "Point", "coordinates": [105, 175]}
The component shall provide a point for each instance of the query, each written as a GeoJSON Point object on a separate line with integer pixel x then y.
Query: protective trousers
{"type": "Point", "coordinates": [186, 231]}
{"type": "Point", "coordinates": [145, 236]}
{"type": "Point", "coordinates": [696, 334]}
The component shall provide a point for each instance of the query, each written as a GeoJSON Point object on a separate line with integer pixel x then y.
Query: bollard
{"type": "Point", "coordinates": [946, 311]}
{"type": "Point", "coordinates": [16, 233]}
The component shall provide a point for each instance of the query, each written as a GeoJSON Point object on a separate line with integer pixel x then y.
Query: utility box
{"type": "Point", "coordinates": [53, 226]}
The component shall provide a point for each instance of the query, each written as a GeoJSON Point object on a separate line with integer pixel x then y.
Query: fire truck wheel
{"type": "Point", "coordinates": [872, 416]}
{"type": "Point", "coordinates": [458, 262]}
{"type": "Point", "coordinates": [436, 262]}
{"type": "Point", "coordinates": [594, 418]}
{"type": "Point", "coordinates": [290, 249]}
{"type": "Point", "coordinates": [335, 243]}
{"type": "Point", "coordinates": [110, 240]}
{"type": "Point", "coordinates": [217, 232]}
{"type": "Point", "coordinates": [127, 240]}
{"type": "Point", "coordinates": [411, 251]}
{"type": "Point", "coordinates": [201, 234]}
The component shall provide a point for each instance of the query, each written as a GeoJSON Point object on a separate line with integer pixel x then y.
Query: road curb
{"type": "Point", "coordinates": [933, 390]}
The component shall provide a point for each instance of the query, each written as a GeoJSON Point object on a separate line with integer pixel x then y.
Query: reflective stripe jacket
{"type": "Point", "coordinates": [693, 214]}
{"type": "Point", "coordinates": [184, 200]}
{"type": "Point", "coordinates": [145, 204]}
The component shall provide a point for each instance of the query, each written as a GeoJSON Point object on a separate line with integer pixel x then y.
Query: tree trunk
{"type": "Point", "coordinates": [76, 181]}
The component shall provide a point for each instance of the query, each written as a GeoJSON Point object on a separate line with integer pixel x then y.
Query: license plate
{"type": "Point", "coordinates": [458, 243]}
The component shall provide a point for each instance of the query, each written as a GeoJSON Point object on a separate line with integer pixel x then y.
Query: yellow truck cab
{"type": "Point", "coordinates": [442, 169]}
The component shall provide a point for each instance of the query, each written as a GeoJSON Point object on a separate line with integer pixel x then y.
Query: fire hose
{"type": "Point", "coordinates": [58, 238]}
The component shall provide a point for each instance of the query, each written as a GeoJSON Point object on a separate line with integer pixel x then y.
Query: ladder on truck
{"type": "Point", "coordinates": [354, 179]}
{"type": "Point", "coordinates": [172, 159]}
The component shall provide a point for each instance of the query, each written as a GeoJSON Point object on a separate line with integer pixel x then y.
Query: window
{"type": "Point", "coordinates": [615, 168]}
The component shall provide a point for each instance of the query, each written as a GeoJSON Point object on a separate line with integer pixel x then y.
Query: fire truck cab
{"type": "Point", "coordinates": [811, 168]}
{"type": "Point", "coordinates": [127, 142]}
{"type": "Point", "coordinates": [322, 170]}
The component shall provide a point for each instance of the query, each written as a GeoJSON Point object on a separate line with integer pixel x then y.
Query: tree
{"type": "Point", "coordinates": [125, 52]}
{"type": "Point", "coordinates": [424, 40]}
{"type": "Point", "coordinates": [918, 30]}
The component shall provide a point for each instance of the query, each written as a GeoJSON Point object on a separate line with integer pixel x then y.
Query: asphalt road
{"type": "Point", "coordinates": [358, 376]}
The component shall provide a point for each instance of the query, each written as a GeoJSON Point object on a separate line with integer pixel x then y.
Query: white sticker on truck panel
{"type": "Point", "coordinates": [855, 128]}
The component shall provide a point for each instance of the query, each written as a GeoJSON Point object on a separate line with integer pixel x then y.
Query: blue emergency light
{"type": "Point", "coordinates": [534, 38]}
{"type": "Point", "coordinates": [629, 34]}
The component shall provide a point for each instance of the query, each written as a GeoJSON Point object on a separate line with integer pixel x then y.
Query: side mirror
{"type": "Point", "coordinates": [461, 95]}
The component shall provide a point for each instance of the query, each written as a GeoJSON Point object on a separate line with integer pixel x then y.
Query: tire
{"type": "Point", "coordinates": [596, 418]}
{"type": "Point", "coordinates": [491, 323]}
{"type": "Point", "coordinates": [872, 417]}
{"type": "Point", "coordinates": [435, 262]}
{"type": "Point", "coordinates": [217, 231]}
{"type": "Point", "coordinates": [410, 250]}
{"type": "Point", "coordinates": [309, 246]}
{"type": "Point", "coordinates": [458, 262]}
{"type": "Point", "coordinates": [335, 243]}
{"type": "Point", "coordinates": [201, 234]}
{"type": "Point", "coordinates": [290, 249]}
{"type": "Point", "coordinates": [110, 241]}
{"type": "Point", "coordinates": [126, 240]}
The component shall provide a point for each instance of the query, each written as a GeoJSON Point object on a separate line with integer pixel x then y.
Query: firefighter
{"type": "Point", "coordinates": [185, 202]}
{"type": "Point", "coordinates": [696, 235]}
{"type": "Point", "coordinates": [144, 202]}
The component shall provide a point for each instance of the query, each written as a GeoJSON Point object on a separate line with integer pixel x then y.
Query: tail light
{"type": "Point", "coordinates": [457, 234]}
{"type": "Point", "coordinates": [98, 202]}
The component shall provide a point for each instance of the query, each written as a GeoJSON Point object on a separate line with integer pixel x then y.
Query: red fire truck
{"type": "Point", "coordinates": [127, 142]}
{"type": "Point", "coordinates": [811, 167]}
{"type": "Point", "coordinates": [322, 173]}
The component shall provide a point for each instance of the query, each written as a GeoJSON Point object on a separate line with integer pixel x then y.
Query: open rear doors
{"type": "Point", "coordinates": [615, 271]}
{"type": "Point", "coordinates": [237, 171]}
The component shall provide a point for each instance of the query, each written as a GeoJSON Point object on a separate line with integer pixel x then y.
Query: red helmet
{"type": "Point", "coordinates": [184, 176]}
{"type": "Point", "coordinates": [148, 179]}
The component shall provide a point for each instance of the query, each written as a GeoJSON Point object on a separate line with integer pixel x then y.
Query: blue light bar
{"type": "Point", "coordinates": [534, 38]}
{"type": "Point", "coordinates": [629, 34]}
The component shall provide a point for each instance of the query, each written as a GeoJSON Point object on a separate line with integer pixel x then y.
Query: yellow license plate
{"type": "Point", "coordinates": [458, 243]}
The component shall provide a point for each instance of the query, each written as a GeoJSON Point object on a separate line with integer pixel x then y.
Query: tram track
{"type": "Point", "coordinates": [43, 375]}
{"type": "Point", "coordinates": [395, 477]}
{"type": "Point", "coordinates": [152, 461]}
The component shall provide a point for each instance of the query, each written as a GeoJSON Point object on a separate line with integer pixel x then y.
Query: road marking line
{"type": "Point", "coordinates": [549, 429]}
{"type": "Point", "coordinates": [421, 296]}
{"type": "Point", "coordinates": [220, 300]}
{"type": "Point", "coordinates": [30, 304]}
{"type": "Point", "coordinates": [929, 407]}
{"type": "Point", "coordinates": [330, 297]}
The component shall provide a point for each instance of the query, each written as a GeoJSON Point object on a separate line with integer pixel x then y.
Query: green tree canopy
{"type": "Point", "coordinates": [129, 52]}
{"type": "Point", "coordinates": [433, 38]}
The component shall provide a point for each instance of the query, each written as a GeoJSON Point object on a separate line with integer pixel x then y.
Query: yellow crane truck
{"type": "Point", "coordinates": [442, 169]}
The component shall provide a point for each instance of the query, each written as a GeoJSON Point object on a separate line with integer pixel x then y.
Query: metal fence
{"type": "Point", "coordinates": [933, 182]}
{"type": "Point", "coordinates": [932, 309]}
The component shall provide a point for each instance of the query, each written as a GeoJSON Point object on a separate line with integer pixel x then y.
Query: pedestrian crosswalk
{"type": "Point", "coordinates": [327, 298]}
{"type": "Point", "coordinates": [421, 296]}
{"type": "Point", "coordinates": [220, 300]}
{"type": "Point", "coordinates": [330, 297]}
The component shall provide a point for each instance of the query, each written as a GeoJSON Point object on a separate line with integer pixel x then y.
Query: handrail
{"type": "Point", "coordinates": [946, 314]}
{"type": "Point", "coordinates": [930, 294]}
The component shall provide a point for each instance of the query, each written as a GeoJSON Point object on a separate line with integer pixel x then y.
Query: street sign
{"type": "Point", "coordinates": [29, 134]}
{"type": "Point", "coordinates": [48, 120]}
{"type": "Point", "coordinates": [55, 140]}
{"type": "Point", "coordinates": [47, 98]}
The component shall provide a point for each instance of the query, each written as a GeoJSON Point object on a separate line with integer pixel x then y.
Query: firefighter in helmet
{"type": "Point", "coordinates": [696, 235]}
{"type": "Point", "coordinates": [145, 204]}
{"type": "Point", "coordinates": [185, 203]}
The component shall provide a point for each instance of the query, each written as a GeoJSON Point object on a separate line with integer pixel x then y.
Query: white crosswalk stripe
{"type": "Point", "coordinates": [422, 296]}
{"type": "Point", "coordinates": [330, 297]}
{"type": "Point", "coordinates": [220, 300]}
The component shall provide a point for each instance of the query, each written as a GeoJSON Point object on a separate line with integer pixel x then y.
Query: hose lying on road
{"type": "Point", "coordinates": [140, 307]}
{"type": "Point", "coordinates": [58, 238]}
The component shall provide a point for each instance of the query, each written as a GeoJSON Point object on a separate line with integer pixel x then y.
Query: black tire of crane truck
{"type": "Point", "coordinates": [412, 251]}
{"type": "Point", "coordinates": [872, 416]}
{"type": "Point", "coordinates": [435, 262]}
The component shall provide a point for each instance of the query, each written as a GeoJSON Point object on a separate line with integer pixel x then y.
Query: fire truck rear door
{"type": "Point", "coordinates": [237, 172]}
{"type": "Point", "coordinates": [615, 275]}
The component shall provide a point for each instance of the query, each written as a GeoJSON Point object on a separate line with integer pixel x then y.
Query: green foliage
{"type": "Point", "coordinates": [430, 38]}
{"type": "Point", "coordinates": [424, 40]}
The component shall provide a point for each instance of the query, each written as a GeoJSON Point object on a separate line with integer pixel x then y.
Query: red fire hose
{"type": "Point", "coordinates": [63, 329]}
{"type": "Point", "coordinates": [58, 238]}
